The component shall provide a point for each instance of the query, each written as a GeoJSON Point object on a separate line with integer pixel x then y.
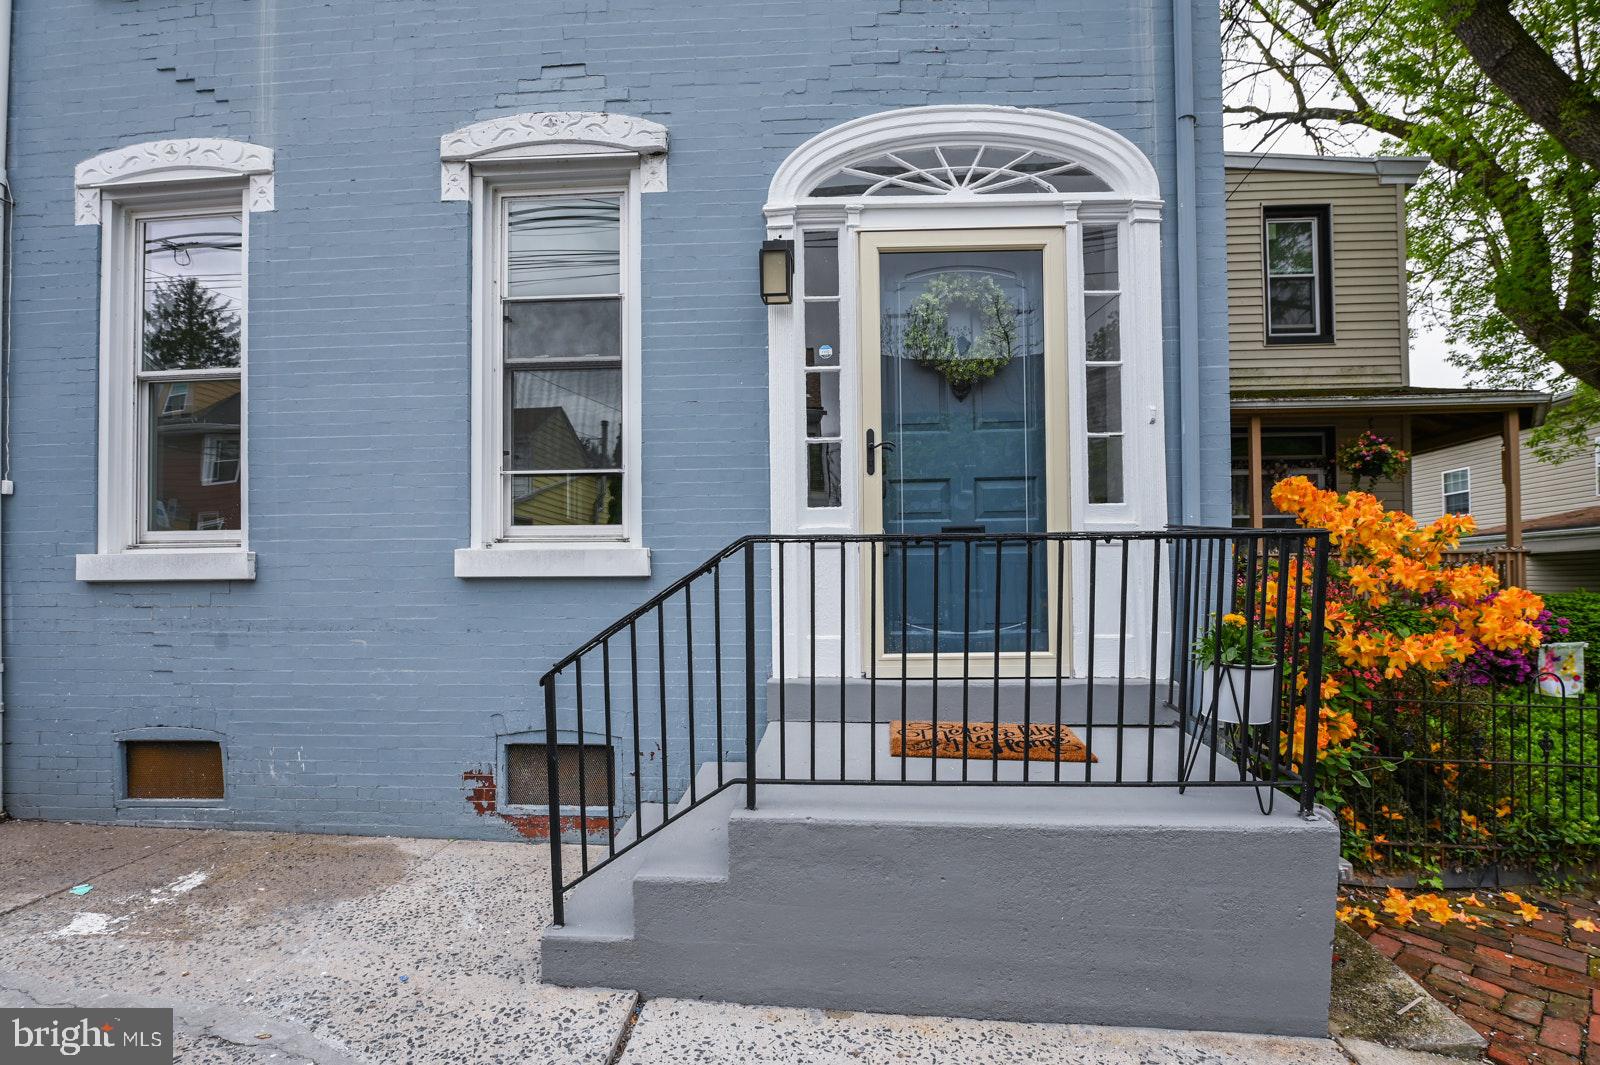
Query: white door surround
{"type": "Point", "coordinates": [960, 168]}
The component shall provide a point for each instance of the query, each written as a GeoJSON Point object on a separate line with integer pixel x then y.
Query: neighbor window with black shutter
{"type": "Point", "coordinates": [1297, 256]}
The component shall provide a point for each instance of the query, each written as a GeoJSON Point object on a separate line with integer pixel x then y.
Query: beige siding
{"type": "Point", "coordinates": [1547, 488]}
{"type": "Point", "coordinates": [1482, 457]}
{"type": "Point", "coordinates": [1571, 572]}
{"type": "Point", "coordinates": [1369, 302]}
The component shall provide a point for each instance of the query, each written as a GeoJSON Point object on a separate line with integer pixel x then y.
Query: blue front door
{"type": "Point", "coordinates": [962, 364]}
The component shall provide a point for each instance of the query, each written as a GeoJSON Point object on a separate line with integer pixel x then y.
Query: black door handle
{"type": "Point", "coordinates": [873, 445]}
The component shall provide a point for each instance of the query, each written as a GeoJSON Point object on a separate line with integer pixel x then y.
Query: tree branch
{"type": "Point", "coordinates": [1529, 76]}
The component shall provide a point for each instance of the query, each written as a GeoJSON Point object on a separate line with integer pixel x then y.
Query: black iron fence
{"type": "Point", "coordinates": [1469, 774]}
{"type": "Point", "coordinates": [957, 658]}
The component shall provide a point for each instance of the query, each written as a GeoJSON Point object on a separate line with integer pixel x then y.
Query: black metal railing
{"type": "Point", "coordinates": [1468, 774]}
{"type": "Point", "coordinates": [1059, 659]}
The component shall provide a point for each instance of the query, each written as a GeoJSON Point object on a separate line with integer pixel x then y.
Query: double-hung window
{"type": "Point", "coordinates": [557, 477]}
{"type": "Point", "coordinates": [562, 418]}
{"type": "Point", "coordinates": [173, 462]}
{"type": "Point", "coordinates": [1297, 255]}
{"type": "Point", "coordinates": [190, 347]}
{"type": "Point", "coordinates": [1457, 486]}
{"type": "Point", "coordinates": [556, 491]}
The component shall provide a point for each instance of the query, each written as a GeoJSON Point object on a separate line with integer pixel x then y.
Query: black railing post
{"type": "Point", "coordinates": [1319, 605]}
{"type": "Point", "coordinates": [750, 676]}
{"type": "Point", "coordinates": [557, 906]}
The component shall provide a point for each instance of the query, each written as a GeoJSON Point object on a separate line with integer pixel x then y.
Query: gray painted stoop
{"type": "Point", "coordinates": [1111, 906]}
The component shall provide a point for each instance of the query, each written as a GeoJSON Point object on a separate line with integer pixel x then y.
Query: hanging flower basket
{"type": "Point", "coordinates": [961, 360]}
{"type": "Point", "coordinates": [1370, 457]}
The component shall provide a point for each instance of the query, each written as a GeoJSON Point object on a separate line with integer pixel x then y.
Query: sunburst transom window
{"type": "Point", "coordinates": [960, 170]}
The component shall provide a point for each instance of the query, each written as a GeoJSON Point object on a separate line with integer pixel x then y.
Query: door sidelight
{"type": "Point", "coordinates": [872, 447]}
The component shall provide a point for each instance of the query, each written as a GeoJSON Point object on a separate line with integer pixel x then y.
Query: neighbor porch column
{"type": "Point", "coordinates": [1511, 438]}
{"type": "Point", "coordinates": [1258, 506]}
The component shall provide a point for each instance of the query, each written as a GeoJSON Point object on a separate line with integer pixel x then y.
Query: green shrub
{"type": "Point", "coordinates": [1582, 611]}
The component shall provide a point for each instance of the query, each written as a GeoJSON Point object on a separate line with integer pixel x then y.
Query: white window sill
{"type": "Point", "coordinates": [170, 564]}
{"type": "Point", "coordinates": [553, 560]}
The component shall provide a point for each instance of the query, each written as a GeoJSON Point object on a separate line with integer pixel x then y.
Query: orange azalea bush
{"type": "Point", "coordinates": [1399, 620]}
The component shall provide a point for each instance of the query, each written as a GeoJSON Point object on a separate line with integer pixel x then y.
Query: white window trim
{"type": "Point", "coordinates": [1596, 445]}
{"type": "Point", "coordinates": [1445, 493]}
{"type": "Point", "coordinates": [567, 153]}
{"type": "Point", "coordinates": [116, 190]}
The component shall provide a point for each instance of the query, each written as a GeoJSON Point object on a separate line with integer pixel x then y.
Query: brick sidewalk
{"type": "Point", "coordinates": [1531, 987]}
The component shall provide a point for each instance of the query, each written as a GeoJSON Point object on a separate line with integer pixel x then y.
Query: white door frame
{"type": "Point", "coordinates": [1051, 244]}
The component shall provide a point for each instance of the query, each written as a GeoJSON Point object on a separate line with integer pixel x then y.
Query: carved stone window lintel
{"type": "Point", "coordinates": [552, 134]}
{"type": "Point", "coordinates": [169, 162]}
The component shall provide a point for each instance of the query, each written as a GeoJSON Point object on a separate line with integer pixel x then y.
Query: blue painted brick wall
{"type": "Point", "coordinates": [357, 679]}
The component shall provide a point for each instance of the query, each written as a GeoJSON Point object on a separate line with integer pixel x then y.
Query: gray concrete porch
{"type": "Point", "coordinates": [1118, 906]}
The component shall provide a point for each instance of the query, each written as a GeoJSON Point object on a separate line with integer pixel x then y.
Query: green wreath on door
{"type": "Point", "coordinates": [929, 342]}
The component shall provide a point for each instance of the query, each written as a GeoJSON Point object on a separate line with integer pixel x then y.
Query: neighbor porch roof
{"type": "Point", "coordinates": [1584, 519]}
{"type": "Point", "coordinates": [1401, 399]}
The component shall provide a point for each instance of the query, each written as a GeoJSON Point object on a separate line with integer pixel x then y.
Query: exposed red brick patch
{"type": "Point", "coordinates": [1532, 989]}
{"type": "Point", "coordinates": [481, 797]}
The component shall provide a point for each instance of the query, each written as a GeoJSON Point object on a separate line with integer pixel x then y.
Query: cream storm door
{"type": "Point", "coordinates": [964, 407]}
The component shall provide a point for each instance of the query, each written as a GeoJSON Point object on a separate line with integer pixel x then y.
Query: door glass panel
{"type": "Point", "coordinates": [962, 341]}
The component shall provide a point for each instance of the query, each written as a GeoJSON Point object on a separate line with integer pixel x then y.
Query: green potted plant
{"type": "Point", "coordinates": [1238, 667]}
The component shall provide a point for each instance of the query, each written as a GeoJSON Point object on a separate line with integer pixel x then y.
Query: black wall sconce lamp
{"type": "Point", "coordinates": [777, 271]}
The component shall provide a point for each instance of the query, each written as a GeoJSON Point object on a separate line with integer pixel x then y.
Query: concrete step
{"type": "Point", "coordinates": [1133, 906]}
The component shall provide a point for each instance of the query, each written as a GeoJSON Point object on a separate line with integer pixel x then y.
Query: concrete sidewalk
{"type": "Point", "coordinates": [333, 949]}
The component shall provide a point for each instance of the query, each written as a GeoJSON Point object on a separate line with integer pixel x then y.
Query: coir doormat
{"type": "Point", "coordinates": [1038, 743]}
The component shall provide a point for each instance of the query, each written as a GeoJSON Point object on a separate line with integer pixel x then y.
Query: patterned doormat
{"type": "Point", "coordinates": [1038, 744]}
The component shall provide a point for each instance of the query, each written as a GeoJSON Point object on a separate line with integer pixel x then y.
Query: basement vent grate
{"type": "Point", "coordinates": [173, 769]}
{"type": "Point", "coordinates": [527, 777]}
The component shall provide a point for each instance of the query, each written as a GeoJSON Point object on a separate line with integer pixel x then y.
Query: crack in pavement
{"type": "Point", "coordinates": [95, 874]}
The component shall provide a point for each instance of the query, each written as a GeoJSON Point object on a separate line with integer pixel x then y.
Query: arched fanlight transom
{"type": "Point", "coordinates": [963, 169]}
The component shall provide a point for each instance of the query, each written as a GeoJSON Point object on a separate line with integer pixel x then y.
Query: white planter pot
{"type": "Point", "coordinates": [1243, 693]}
{"type": "Point", "coordinates": [1561, 669]}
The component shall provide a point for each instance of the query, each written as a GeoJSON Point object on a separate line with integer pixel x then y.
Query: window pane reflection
{"type": "Point", "coordinates": [194, 456]}
{"type": "Point", "coordinates": [566, 499]}
{"type": "Point", "coordinates": [563, 246]}
{"type": "Point", "coordinates": [563, 329]}
{"type": "Point", "coordinates": [192, 292]}
{"type": "Point", "coordinates": [822, 475]}
{"type": "Point", "coordinates": [565, 419]}
{"type": "Point", "coordinates": [1105, 469]}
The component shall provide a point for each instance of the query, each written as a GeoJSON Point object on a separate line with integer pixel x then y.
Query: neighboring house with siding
{"type": "Point", "coordinates": [1559, 523]}
{"type": "Point", "coordinates": [1318, 332]}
